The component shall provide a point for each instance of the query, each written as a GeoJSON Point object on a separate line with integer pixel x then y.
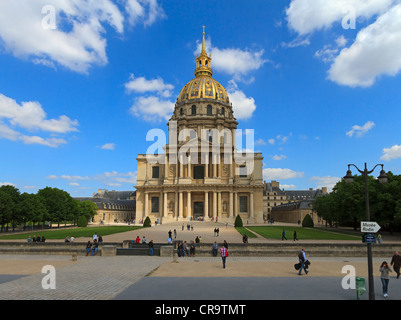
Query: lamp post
{"type": "Point", "coordinates": [349, 178]}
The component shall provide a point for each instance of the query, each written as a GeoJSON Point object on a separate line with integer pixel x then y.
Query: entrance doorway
{"type": "Point", "coordinates": [198, 210]}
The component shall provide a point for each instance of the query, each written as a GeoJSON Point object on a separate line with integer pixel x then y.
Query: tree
{"type": "Point", "coordinates": [10, 198]}
{"type": "Point", "coordinates": [82, 222]}
{"type": "Point", "coordinates": [31, 207]}
{"type": "Point", "coordinates": [59, 204]}
{"type": "Point", "coordinates": [307, 222]}
{"type": "Point", "coordinates": [238, 221]}
{"type": "Point", "coordinates": [87, 209]}
{"type": "Point", "coordinates": [147, 223]}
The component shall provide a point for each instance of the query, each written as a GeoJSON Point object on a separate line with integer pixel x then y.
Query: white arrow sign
{"type": "Point", "coordinates": [369, 227]}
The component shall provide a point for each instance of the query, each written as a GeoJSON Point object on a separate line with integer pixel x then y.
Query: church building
{"type": "Point", "coordinates": [201, 175]}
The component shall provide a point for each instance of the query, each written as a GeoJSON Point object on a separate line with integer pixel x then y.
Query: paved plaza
{"type": "Point", "coordinates": [189, 278]}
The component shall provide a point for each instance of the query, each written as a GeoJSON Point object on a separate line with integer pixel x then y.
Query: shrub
{"type": "Point", "coordinates": [82, 222]}
{"type": "Point", "coordinates": [238, 222]}
{"type": "Point", "coordinates": [308, 222]}
{"type": "Point", "coordinates": [147, 223]}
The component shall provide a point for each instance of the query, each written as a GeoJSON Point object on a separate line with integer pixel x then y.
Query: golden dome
{"type": "Point", "coordinates": [203, 86]}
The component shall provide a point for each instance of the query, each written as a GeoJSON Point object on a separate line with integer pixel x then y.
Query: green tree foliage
{"type": "Point", "coordinates": [147, 223]}
{"type": "Point", "coordinates": [31, 208]}
{"type": "Point", "coordinates": [59, 204]}
{"type": "Point", "coordinates": [87, 209]}
{"type": "Point", "coordinates": [82, 222]}
{"type": "Point", "coordinates": [346, 204]}
{"type": "Point", "coordinates": [307, 222]}
{"type": "Point", "coordinates": [238, 222]}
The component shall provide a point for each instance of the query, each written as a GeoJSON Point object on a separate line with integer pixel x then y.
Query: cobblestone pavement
{"type": "Point", "coordinates": [89, 278]}
{"type": "Point", "coordinates": [108, 278]}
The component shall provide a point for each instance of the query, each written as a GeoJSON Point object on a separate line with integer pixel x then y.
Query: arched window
{"type": "Point", "coordinates": [223, 111]}
{"type": "Point", "coordinates": [209, 110]}
{"type": "Point", "coordinates": [181, 111]}
{"type": "Point", "coordinates": [193, 110]}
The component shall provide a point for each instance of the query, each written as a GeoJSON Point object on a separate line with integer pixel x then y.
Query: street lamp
{"type": "Point", "coordinates": [349, 178]}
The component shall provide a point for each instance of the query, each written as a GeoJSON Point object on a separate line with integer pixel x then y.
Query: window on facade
{"type": "Point", "coordinates": [199, 172]}
{"type": "Point", "coordinates": [223, 111]}
{"type": "Point", "coordinates": [242, 172]}
{"type": "Point", "coordinates": [155, 172]}
{"type": "Point", "coordinates": [155, 204]}
{"type": "Point", "coordinates": [243, 204]}
{"type": "Point", "coordinates": [209, 110]}
{"type": "Point", "coordinates": [181, 111]}
{"type": "Point", "coordinates": [193, 110]}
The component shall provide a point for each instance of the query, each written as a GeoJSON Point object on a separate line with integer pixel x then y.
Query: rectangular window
{"type": "Point", "coordinates": [199, 172]}
{"type": "Point", "coordinates": [243, 204]}
{"type": "Point", "coordinates": [155, 172]}
{"type": "Point", "coordinates": [243, 172]}
{"type": "Point", "coordinates": [155, 204]}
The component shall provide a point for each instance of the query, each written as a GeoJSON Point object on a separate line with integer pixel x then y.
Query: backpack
{"type": "Point", "coordinates": [301, 256]}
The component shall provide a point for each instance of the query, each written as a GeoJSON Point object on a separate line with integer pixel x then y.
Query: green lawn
{"type": "Point", "coordinates": [275, 232]}
{"type": "Point", "coordinates": [243, 231]}
{"type": "Point", "coordinates": [76, 232]}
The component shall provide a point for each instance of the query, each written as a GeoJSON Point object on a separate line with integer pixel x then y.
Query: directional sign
{"type": "Point", "coordinates": [369, 227]}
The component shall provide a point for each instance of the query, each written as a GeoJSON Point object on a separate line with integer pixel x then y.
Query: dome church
{"type": "Point", "coordinates": [201, 175]}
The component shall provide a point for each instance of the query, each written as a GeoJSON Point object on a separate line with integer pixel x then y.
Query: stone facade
{"type": "Point", "coordinates": [113, 206]}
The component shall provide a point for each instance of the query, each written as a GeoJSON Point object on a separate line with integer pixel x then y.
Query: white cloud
{"type": "Point", "coordinates": [308, 16]}
{"type": "Point", "coordinates": [233, 61]}
{"type": "Point", "coordinates": [78, 42]}
{"type": "Point", "coordinates": [376, 50]}
{"type": "Point", "coordinates": [152, 109]}
{"type": "Point", "coordinates": [243, 106]}
{"type": "Point", "coordinates": [142, 85]}
{"type": "Point", "coordinates": [360, 131]}
{"type": "Point", "coordinates": [280, 174]}
{"type": "Point", "coordinates": [7, 184]}
{"type": "Point", "coordinates": [116, 179]}
{"type": "Point", "coordinates": [328, 182]}
{"type": "Point", "coordinates": [147, 11]}
{"type": "Point", "coordinates": [108, 146]}
{"type": "Point", "coordinates": [279, 157]}
{"type": "Point", "coordinates": [391, 153]}
{"type": "Point", "coordinates": [31, 117]}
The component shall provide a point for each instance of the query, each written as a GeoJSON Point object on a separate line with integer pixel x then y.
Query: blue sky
{"type": "Point", "coordinates": [82, 82]}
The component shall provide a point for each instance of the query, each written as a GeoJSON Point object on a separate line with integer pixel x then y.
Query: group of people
{"type": "Point", "coordinates": [183, 248]}
{"type": "Point", "coordinates": [36, 238]}
{"type": "Point", "coordinates": [294, 235]}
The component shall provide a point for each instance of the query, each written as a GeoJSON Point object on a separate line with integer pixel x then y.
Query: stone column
{"type": "Point", "coordinates": [189, 205]}
{"type": "Point", "coordinates": [214, 205]}
{"type": "Point", "coordinates": [251, 215]}
{"type": "Point", "coordinates": [231, 211]}
{"type": "Point", "coordinates": [165, 212]}
{"type": "Point", "coordinates": [236, 211]}
{"type": "Point", "coordinates": [181, 204]}
{"type": "Point", "coordinates": [206, 205]}
{"type": "Point", "coordinates": [219, 204]}
{"type": "Point", "coordinates": [145, 214]}
{"type": "Point", "coordinates": [176, 205]}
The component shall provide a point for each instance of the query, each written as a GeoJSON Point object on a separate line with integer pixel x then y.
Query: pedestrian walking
{"type": "Point", "coordinates": [295, 235]}
{"type": "Point", "coordinates": [396, 263]}
{"type": "Point", "coordinates": [384, 277]}
{"type": "Point", "coordinates": [303, 261]}
{"type": "Point", "coordinates": [224, 255]}
{"type": "Point", "coordinates": [283, 235]}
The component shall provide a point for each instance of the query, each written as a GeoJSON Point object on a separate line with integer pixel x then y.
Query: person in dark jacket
{"type": "Point", "coordinates": [396, 264]}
